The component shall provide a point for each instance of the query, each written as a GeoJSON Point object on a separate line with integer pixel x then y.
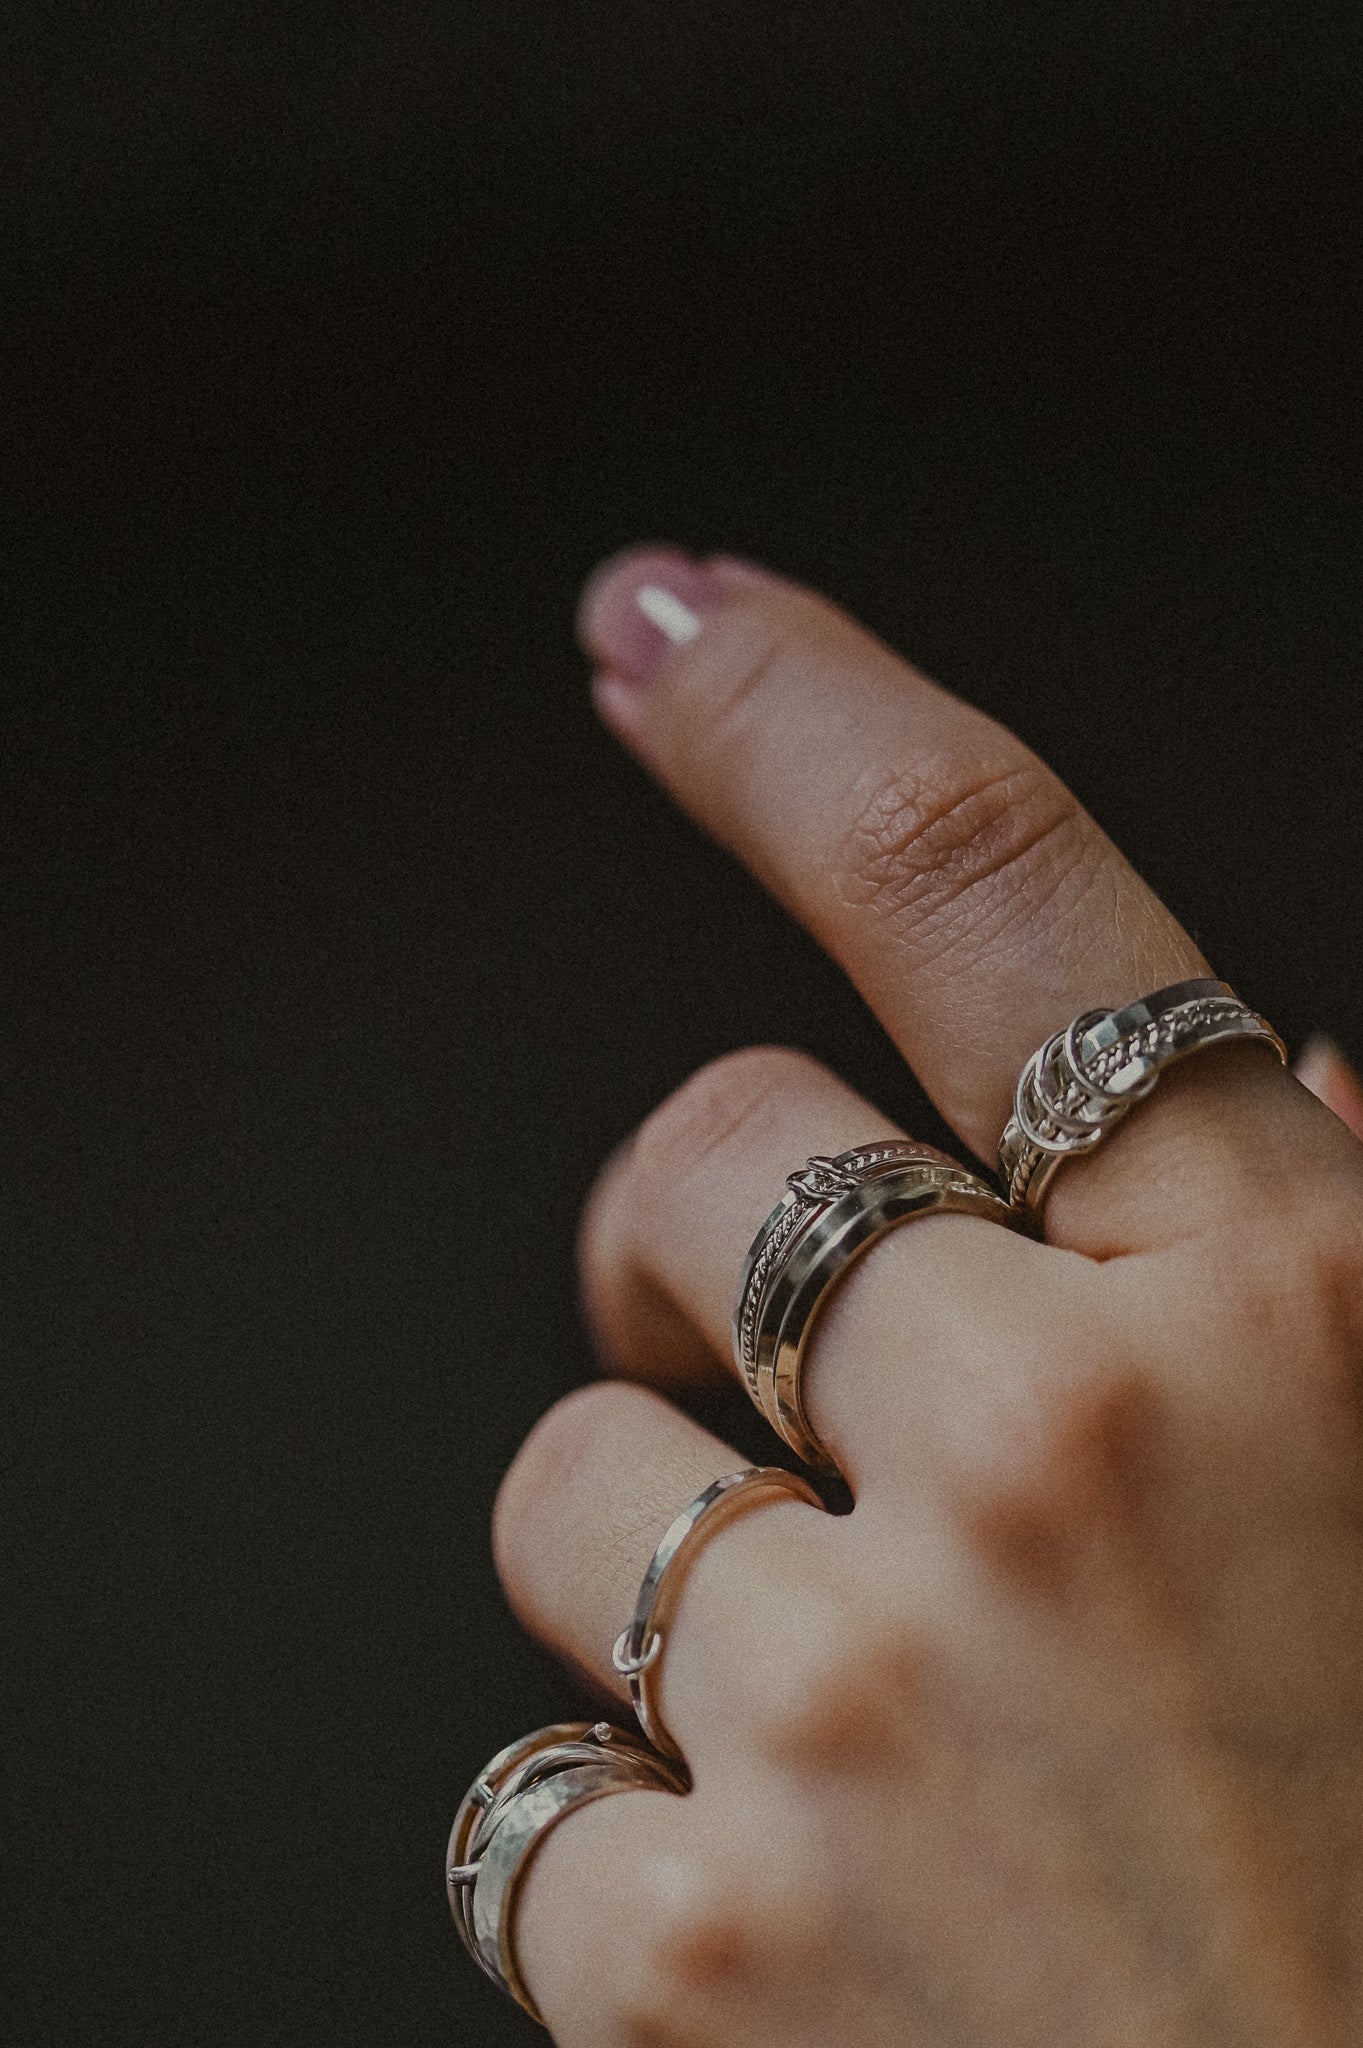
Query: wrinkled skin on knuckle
{"type": "Point", "coordinates": [949, 853]}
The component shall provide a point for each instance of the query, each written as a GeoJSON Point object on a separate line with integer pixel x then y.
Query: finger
{"type": "Point", "coordinates": [1323, 1069]}
{"type": "Point", "coordinates": [593, 1489]}
{"type": "Point", "coordinates": [968, 894]}
{"type": "Point", "coordinates": [663, 1921]}
{"type": "Point", "coordinates": [670, 1220]}
{"type": "Point", "coordinates": [671, 1217]}
{"type": "Point", "coordinates": [591, 1906]}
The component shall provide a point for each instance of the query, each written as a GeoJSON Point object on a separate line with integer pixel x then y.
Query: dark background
{"type": "Point", "coordinates": [339, 945]}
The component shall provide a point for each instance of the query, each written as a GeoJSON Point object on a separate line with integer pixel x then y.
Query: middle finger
{"type": "Point", "coordinates": [671, 1218]}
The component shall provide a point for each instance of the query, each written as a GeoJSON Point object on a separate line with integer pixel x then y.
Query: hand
{"type": "Point", "coordinates": [1057, 1740]}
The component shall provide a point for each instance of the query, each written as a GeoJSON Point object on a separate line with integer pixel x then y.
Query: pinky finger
{"type": "Point", "coordinates": [655, 1922]}
{"type": "Point", "coordinates": [590, 1911]}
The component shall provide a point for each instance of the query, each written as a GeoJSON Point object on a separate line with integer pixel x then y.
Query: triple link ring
{"type": "Point", "coordinates": [1086, 1078]}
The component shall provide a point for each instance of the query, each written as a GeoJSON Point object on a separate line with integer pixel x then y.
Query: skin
{"type": "Point", "coordinates": [1056, 1741]}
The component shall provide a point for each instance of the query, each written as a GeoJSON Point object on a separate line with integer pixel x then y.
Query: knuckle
{"type": "Point", "coordinates": [746, 1921]}
{"type": "Point", "coordinates": [948, 853]}
{"type": "Point", "coordinates": [849, 1702]}
{"type": "Point", "coordinates": [1074, 1480]}
{"type": "Point", "coordinates": [700, 1944]}
{"type": "Point", "coordinates": [725, 1102]}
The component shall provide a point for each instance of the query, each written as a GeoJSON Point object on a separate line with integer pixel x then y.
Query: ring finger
{"type": "Point", "coordinates": [580, 1512]}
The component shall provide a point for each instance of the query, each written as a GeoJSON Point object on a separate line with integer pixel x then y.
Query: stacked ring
{"type": "Point", "coordinates": [1084, 1079]}
{"type": "Point", "coordinates": [638, 1648]}
{"type": "Point", "coordinates": [505, 1815]}
{"type": "Point", "coordinates": [832, 1212]}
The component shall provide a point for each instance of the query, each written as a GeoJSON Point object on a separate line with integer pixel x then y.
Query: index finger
{"type": "Point", "coordinates": [966, 891]}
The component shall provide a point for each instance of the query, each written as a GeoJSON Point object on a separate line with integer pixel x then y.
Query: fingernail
{"type": "Point", "coordinates": [640, 607]}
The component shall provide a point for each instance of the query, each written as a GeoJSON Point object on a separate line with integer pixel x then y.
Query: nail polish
{"type": "Point", "coordinates": [664, 609]}
{"type": "Point", "coordinates": [640, 607]}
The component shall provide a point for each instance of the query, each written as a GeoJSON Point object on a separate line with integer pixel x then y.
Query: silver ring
{"type": "Point", "coordinates": [638, 1647]}
{"type": "Point", "coordinates": [1085, 1079]}
{"type": "Point", "coordinates": [831, 1213]}
{"type": "Point", "coordinates": [509, 1809]}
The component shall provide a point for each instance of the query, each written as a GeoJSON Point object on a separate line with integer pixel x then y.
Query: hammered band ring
{"type": "Point", "coordinates": [832, 1212]}
{"type": "Point", "coordinates": [505, 1815]}
{"type": "Point", "coordinates": [638, 1648]}
{"type": "Point", "coordinates": [1084, 1079]}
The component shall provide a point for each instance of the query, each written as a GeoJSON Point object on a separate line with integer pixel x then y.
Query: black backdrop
{"type": "Point", "coordinates": [338, 344]}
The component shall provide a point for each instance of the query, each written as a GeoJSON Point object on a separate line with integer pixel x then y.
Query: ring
{"type": "Point", "coordinates": [831, 1213]}
{"type": "Point", "coordinates": [1084, 1079]}
{"type": "Point", "coordinates": [509, 1809]}
{"type": "Point", "coordinates": [638, 1648]}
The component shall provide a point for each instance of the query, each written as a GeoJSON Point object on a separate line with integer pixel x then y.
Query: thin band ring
{"type": "Point", "coordinates": [831, 1214]}
{"type": "Point", "coordinates": [505, 1815]}
{"type": "Point", "coordinates": [638, 1648]}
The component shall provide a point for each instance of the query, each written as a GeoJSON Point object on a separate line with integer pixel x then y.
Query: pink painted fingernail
{"type": "Point", "coordinates": [640, 607]}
